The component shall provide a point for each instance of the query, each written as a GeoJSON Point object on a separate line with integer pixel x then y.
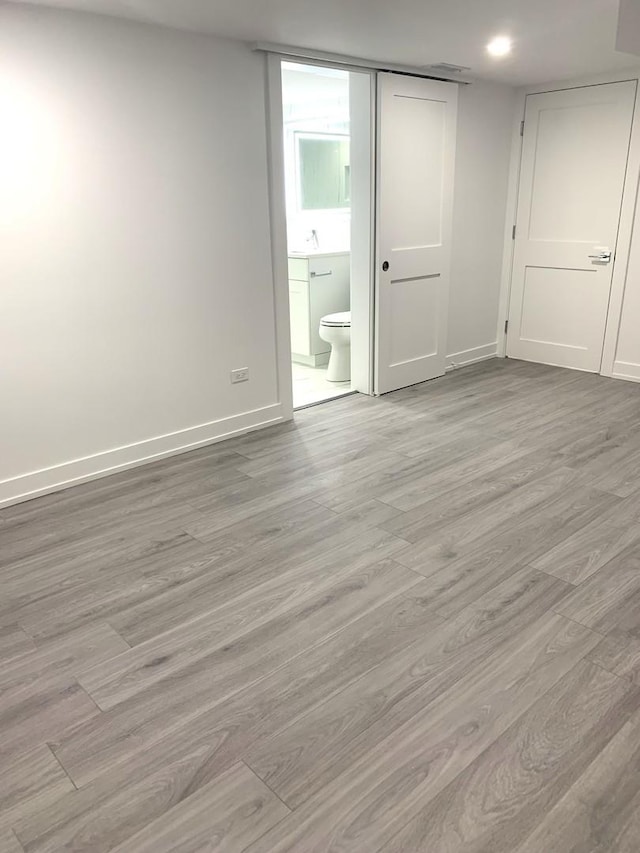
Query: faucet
{"type": "Point", "coordinates": [313, 239]}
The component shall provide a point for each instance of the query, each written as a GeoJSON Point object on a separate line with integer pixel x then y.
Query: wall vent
{"type": "Point", "coordinates": [446, 68]}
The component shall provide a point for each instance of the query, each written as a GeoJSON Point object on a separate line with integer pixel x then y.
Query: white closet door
{"type": "Point", "coordinates": [574, 160]}
{"type": "Point", "coordinates": [416, 153]}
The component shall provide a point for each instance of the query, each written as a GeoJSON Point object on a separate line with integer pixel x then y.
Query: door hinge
{"type": "Point", "coordinates": [513, 233]}
{"type": "Point", "coordinates": [506, 326]}
{"type": "Point", "coordinates": [522, 128]}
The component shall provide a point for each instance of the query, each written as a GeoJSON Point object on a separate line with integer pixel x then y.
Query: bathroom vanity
{"type": "Point", "coordinates": [319, 284]}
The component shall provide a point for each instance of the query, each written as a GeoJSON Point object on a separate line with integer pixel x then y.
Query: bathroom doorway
{"type": "Point", "coordinates": [327, 142]}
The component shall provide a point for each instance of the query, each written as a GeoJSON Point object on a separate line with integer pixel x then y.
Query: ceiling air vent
{"type": "Point", "coordinates": [446, 68]}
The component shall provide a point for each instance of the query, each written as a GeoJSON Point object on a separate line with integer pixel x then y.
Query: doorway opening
{"type": "Point", "coordinates": [328, 157]}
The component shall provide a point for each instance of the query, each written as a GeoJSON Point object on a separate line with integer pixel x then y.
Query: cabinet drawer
{"type": "Point", "coordinates": [321, 267]}
{"type": "Point", "coordinates": [299, 269]}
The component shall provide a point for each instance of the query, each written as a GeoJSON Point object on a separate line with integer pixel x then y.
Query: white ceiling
{"type": "Point", "coordinates": [553, 39]}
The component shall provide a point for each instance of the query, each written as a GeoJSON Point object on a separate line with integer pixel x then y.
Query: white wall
{"type": "Point", "coordinates": [135, 249]}
{"type": "Point", "coordinates": [485, 121]}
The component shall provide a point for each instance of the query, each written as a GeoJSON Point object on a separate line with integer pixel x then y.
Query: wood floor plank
{"type": "Point", "coordinates": [425, 436]}
{"type": "Point", "coordinates": [318, 454]}
{"type": "Point", "coordinates": [508, 790]}
{"type": "Point", "coordinates": [375, 606]}
{"type": "Point", "coordinates": [62, 658]}
{"type": "Point", "coordinates": [97, 821]}
{"type": "Point", "coordinates": [547, 403]}
{"type": "Point", "coordinates": [344, 493]}
{"type": "Point", "coordinates": [135, 735]}
{"type": "Point", "coordinates": [317, 746]}
{"type": "Point", "coordinates": [619, 653]}
{"type": "Point", "coordinates": [248, 636]}
{"type": "Point", "coordinates": [28, 783]}
{"type": "Point", "coordinates": [118, 489]}
{"type": "Point", "coordinates": [601, 811]}
{"type": "Point", "coordinates": [203, 588]}
{"type": "Point", "coordinates": [453, 467]}
{"type": "Point", "coordinates": [39, 695]}
{"type": "Point", "coordinates": [264, 525]}
{"type": "Point", "coordinates": [58, 576]}
{"type": "Point", "coordinates": [438, 549]}
{"type": "Point", "coordinates": [38, 539]}
{"type": "Point", "coordinates": [14, 642]}
{"type": "Point", "coordinates": [481, 563]}
{"type": "Point", "coordinates": [40, 712]}
{"type": "Point", "coordinates": [585, 551]}
{"type": "Point", "coordinates": [242, 501]}
{"type": "Point", "coordinates": [582, 446]}
{"type": "Point", "coordinates": [131, 753]}
{"type": "Point", "coordinates": [444, 510]}
{"type": "Point", "coordinates": [372, 512]}
{"type": "Point", "coordinates": [120, 601]}
{"type": "Point", "coordinates": [377, 795]}
{"type": "Point", "coordinates": [224, 816]}
{"type": "Point", "coordinates": [617, 471]}
{"type": "Point", "coordinates": [611, 594]}
{"type": "Point", "coordinates": [9, 843]}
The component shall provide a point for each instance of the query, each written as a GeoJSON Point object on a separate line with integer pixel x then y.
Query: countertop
{"type": "Point", "coordinates": [318, 254]}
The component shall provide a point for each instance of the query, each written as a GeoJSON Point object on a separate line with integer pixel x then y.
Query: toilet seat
{"type": "Point", "coordinates": [341, 320]}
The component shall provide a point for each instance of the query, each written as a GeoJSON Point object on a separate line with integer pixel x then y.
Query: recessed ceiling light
{"type": "Point", "coordinates": [499, 46]}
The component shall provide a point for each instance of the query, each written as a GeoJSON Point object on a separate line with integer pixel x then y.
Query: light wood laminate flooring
{"type": "Point", "coordinates": [409, 623]}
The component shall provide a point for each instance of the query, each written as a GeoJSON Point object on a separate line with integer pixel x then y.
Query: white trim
{"type": "Point", "coordinates": [278, 218]}
{"type": "Point", "coordinates": [353, 63]}
{"type": "Point", "coordinates": [28, 486]}
{"type": "Point", "coordinates": [510, 220]}
{"type": "Point", "coordinates": [623, 248]}
{"type": "Point", "coordinates": [632, 73]}
{"type": "Point", "coordinates": [626, 370]}
{"type": "Point", "coordinates": [471, 356]}
{"type": "Point", "coordinates": [362, 257]}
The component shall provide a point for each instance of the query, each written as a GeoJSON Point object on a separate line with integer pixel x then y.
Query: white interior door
{"type": "Point", "coordinates": [574, 159]}
{"type": "Point", "coordinates": [416, 153]}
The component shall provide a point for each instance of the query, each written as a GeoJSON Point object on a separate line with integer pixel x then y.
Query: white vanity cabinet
{"type": "Point", "coordinates": [319, 284]}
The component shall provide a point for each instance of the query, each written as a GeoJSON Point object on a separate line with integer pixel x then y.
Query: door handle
{"type": "Point", "coordinates": [602, 256]}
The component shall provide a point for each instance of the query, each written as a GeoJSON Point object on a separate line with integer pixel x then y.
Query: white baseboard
{"type": "Point", "coordinates": [626, 370]}
{"type": "Point", "coordinates": [470, 356]}
{"type": "Point", "coordinates": [320, 360]}
{"type": "Point", "coordinates": [28, 486]}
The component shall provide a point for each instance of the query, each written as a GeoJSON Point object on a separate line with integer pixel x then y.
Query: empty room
{"type": "Point", "coordinates": [319, 426]}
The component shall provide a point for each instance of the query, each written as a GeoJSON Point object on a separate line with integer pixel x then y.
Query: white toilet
{"type": "Point", "coordinates": [335, 329]}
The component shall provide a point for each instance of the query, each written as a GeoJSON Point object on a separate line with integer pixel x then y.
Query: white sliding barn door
{"type": "Point", "coordinates": [416, 153]}
{"type": "Point", "coordinates": [574, 161]}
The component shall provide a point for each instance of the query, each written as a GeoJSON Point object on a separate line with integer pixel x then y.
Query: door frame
{"type": "Point", "coordinates": [627, 213]}
{"type": "Point", "coordinates": [361, 345]}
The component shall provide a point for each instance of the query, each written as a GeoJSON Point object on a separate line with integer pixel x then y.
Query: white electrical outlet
{"type": "Point", "coordinates": [240, 375]}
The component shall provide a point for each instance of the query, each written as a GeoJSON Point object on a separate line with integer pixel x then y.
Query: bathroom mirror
{"type": "Point", "coordinates": [323, 171]}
